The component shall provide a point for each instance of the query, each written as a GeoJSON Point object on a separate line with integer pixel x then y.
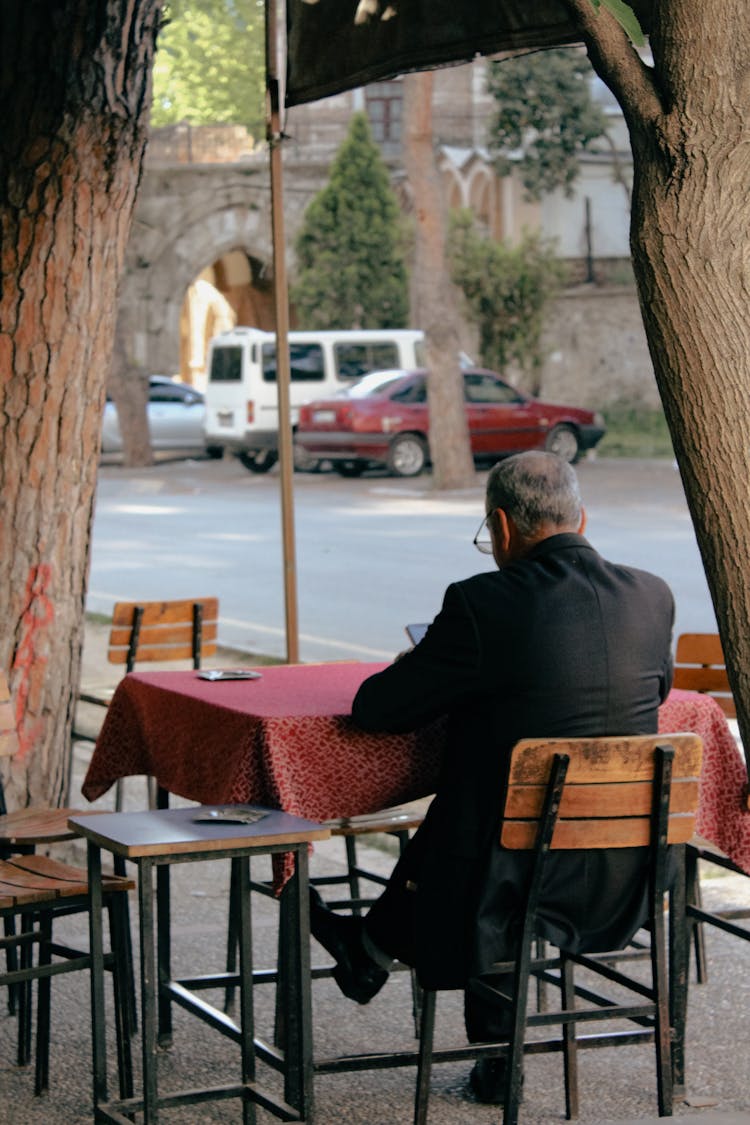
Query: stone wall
{"type": "Point", "coordinates": [596, 348]}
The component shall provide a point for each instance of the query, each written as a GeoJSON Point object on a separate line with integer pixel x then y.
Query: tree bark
{"type": "Point", "coordinates": [74, 93]}
{"type": "Point", "coordinates": [435, 299]}
{"type": "Point", "coordinates": [127, 386]}
{"type": "Point", "coordinates": [690, 128]}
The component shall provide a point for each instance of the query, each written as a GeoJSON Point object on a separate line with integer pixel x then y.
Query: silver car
{"type": "Point", "coordinates": [175, 418]}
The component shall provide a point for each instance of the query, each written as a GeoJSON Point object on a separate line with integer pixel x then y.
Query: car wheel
{"type": "Point", "coordinates": [563, 440]}
{"type": "Point", "coordinates": [350, 468]}
{"type": "Point", "coordinates": [407, 455]}
{"type": "Point", "coordinates": [304, 461]}
{"type": "Point", "coordinates": [259, 462]}
{"type": "Point", "coordinates": [215, 452]}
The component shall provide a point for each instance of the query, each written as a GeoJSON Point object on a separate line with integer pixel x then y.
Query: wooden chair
{"type": "Point", "coordinates": [573, 794]}
{"type": "Point", "coordinates": [700, 666]}
{"type": "Point", "coordinates": [35, 891]}
{"type": "Point", "coordinates": [25, 829]}
{"type": "Point", "coordinates": [143, 632]}
{"type": "Point", "coordinates": [592, 793]}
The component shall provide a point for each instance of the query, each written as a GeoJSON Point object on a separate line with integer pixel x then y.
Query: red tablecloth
{"type": "Point", "coordinates": [723, 817]}
{"type": "Point", "coordinates": [286, 741]}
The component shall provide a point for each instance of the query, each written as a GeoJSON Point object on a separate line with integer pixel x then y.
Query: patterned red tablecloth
{"type": "Point", "coordinates": [286, 741]}
{"type": "Point", "coordinates": [723, 817]}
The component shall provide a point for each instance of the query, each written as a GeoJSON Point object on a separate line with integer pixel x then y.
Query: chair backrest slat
{"type": "Point", "coordinates": [8, 733]}
{"type": "Point", "coordinates": [700, 666]}
{"type": "Point", "coordinates": [608, 796]}
{"type": "Point", "coordinates": [630, 798]}
{"type": "Point", "coordinates": [615, 832]}
{"type": "Point", "coordinates": [167, 631]}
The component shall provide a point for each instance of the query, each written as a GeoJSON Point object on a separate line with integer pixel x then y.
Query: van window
{"type": "Point", "coordinates": [353, 360]}
{"type": "Point", "coordinates": [226, 365]}
{"type": "Point", "coordinates": [306, 363]}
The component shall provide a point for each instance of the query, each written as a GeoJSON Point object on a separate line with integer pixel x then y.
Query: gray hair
{"type": "Point", "coordinates": [535, 488]}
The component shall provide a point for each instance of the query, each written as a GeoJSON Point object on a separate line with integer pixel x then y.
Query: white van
{"type": "Point", "coordinates": [241, 402]}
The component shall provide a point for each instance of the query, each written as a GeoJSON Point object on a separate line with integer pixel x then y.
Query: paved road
{"type": "Point", "coordinates": [372, 553]}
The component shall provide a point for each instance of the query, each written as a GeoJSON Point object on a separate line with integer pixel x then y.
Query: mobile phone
{"type": "Point", "coordinates": [416, 632]}
{"type": "Point", "coordinates": [228, 674]}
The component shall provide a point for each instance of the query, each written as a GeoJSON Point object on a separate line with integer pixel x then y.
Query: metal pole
{"type": "Point", "coordinates": [281, 304]}
{"type": "Point", "coordinates": [589, 241]}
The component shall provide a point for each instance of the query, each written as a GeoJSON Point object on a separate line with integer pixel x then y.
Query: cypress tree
{"type": "Point", "coordinates": [351, 271]}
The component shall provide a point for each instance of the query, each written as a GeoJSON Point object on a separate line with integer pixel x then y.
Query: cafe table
{"type": "Point", "coordinates": [287, 741]}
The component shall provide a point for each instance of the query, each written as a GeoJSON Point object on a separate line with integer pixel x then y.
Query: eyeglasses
{"type": "Point", "coordinates": [482, 540]}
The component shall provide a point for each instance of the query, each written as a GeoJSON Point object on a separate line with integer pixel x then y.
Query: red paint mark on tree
{"type": "Point", "coordinates": [31, 658]}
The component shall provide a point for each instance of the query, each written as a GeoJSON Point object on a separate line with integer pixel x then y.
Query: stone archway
{"type": "Point", "coordinates": [187, 219]}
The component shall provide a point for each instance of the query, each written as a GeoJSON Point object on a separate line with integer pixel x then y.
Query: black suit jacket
{"type": "Point", "coordinates": [561, 643]}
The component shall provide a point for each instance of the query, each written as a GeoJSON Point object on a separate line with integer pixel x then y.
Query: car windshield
{"type": "Point", "coordinates": [373, 384]}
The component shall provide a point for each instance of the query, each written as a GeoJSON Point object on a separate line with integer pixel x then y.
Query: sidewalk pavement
{"type": "Point", "coordinates": [616, 1086]}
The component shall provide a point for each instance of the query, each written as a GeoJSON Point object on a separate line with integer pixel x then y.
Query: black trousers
{"type": "Point", "coordinates": [592, 901]}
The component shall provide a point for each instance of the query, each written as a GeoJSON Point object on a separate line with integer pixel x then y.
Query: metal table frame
{"type": "Point", "coordinates": [159, 991]}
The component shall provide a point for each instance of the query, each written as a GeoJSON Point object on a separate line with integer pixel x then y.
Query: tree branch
{"type": "Point", "coordinates": [617, 62]}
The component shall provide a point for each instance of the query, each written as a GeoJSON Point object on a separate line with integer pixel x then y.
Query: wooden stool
{"type": "Point", "coordinates": [155, 839]}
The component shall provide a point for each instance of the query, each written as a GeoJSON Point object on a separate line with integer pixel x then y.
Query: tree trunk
{"type": "Point", "coordinates": [689, 238]}
{"type": "Point", "coordinates": [435, 298]}
{"type": "Point", "coordinates": [128, 388]}
{"type": "Point", "coordinates": [74, 94]}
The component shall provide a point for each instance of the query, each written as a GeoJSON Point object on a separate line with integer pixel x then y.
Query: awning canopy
{"type": "Point", "coordinates": [336, 45]}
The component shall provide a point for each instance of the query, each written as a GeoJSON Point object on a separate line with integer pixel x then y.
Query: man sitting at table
{"type": "Point", "coordinates": [556, 642]}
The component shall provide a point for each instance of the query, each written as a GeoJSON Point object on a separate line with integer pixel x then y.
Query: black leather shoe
{"type": "Point", "coordinates": [488, 1077]}
{"type": "Point", "coordinates": [356, 974]}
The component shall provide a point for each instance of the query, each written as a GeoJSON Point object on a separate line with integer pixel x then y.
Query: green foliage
{"type": "Point", "coordinates": [625, 16]}
{"type": "Point", "coordinates": [545, 111]}
{"type": "Point", "coordinates": [350, 251]}
{"type": "Point", "coordinates": [506, 289]}
{"type": "Point", "coordinates": [634, 431]}
{"type": "Point", "coordinates": [210, 64]}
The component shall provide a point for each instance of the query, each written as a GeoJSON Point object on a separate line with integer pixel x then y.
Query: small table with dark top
{"type": "Point", "coordinates": [155, 839]}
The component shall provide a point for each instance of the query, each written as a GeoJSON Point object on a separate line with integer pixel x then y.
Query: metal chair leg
{"type": "Point", "coordinates": [25, 997]}
{"type": "Point", "coordinates": [11, 961]}
{"type": "Point", "coordinates": [570, 1048]}
{"type": "Point", "coordinates": [123, 990]}
{"type": "Point", "coordinates": [44, 998]}
{"type": "Point", "coordinates": [697, 931]}
{"type": "Point", "coordinates": [679, 972]}
{"type": "Point", "coordinates": [131, 1008]}
{"type": "Point", "coordinates": [424, 1064]}
{"type": "Point", "coordinates": [350, 843]}
{"type": "Point", "coordinates": [232, 931]}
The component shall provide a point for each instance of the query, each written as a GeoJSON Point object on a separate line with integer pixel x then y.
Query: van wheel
{"type": "Point", "coordinates": [350, 468]}
{"type": "Point", "coordinates": [407, 455]}
{"type": "Point", "coordinates": [259, 462]}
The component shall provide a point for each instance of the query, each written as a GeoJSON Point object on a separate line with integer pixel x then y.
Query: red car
{"type": "Point", "coordinates": [382, 419]}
